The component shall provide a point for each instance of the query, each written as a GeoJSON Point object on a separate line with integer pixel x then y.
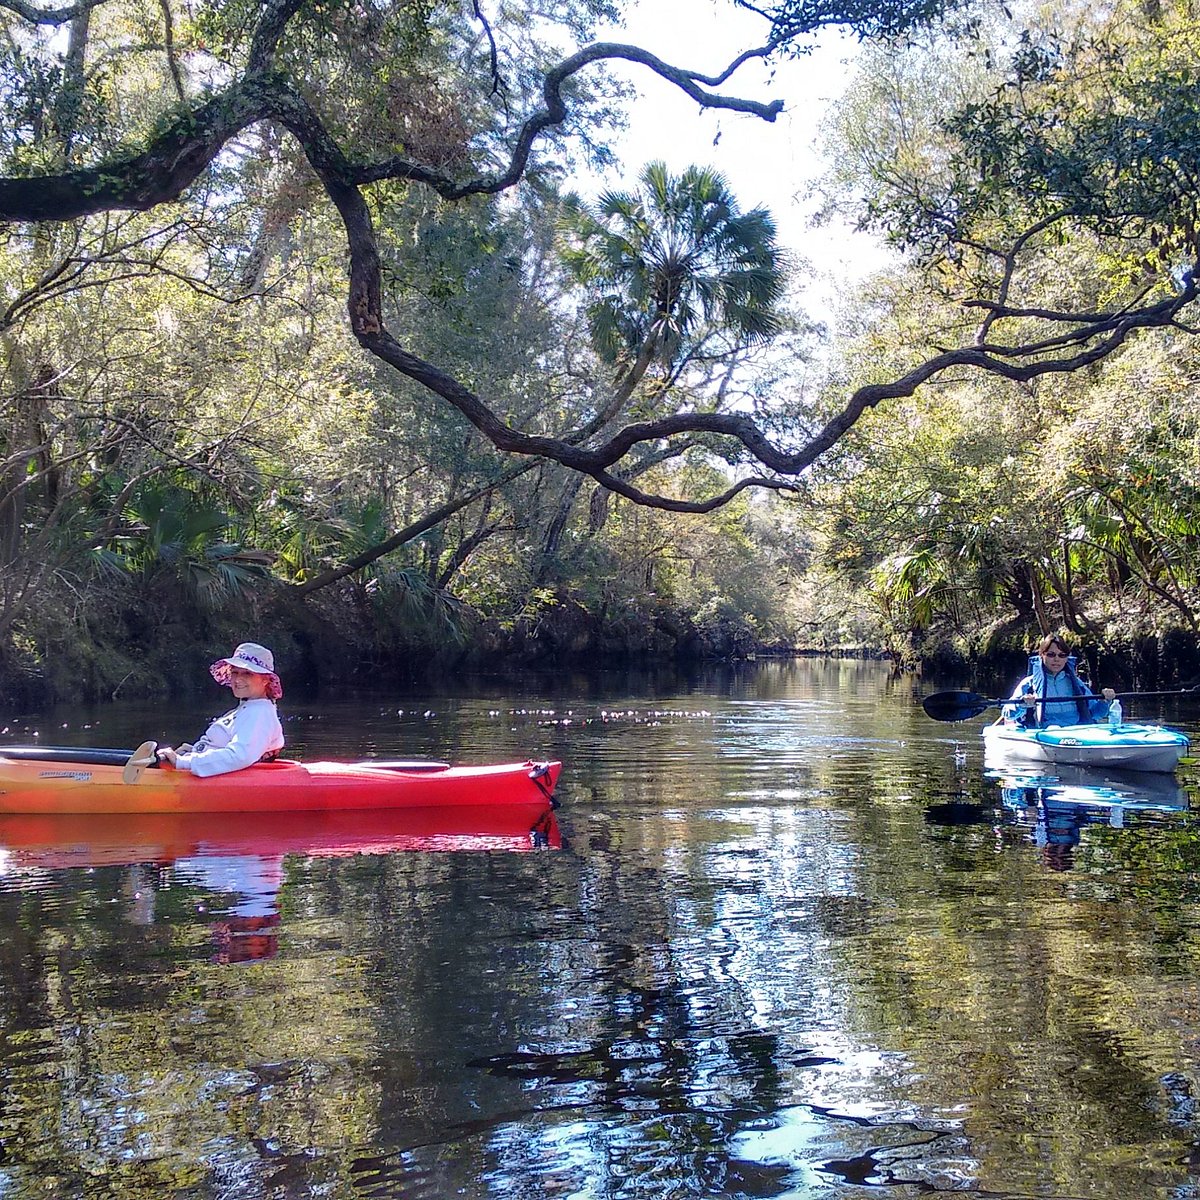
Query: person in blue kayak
{"type": "Point", "coordinates": [245, 735]}
{"type": "Point", "coordinates": [1052, 694]}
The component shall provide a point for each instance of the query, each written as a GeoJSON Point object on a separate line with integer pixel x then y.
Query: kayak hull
{"type": "Point", "coordinates": [1129, 747]}
{"type": "Point", "coordinates": [54, 782]}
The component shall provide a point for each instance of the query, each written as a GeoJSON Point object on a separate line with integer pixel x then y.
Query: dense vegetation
{"type": "Point", "coordinates": [305, 337]}
{"type": "Point", "coordinates": [1048, 175]}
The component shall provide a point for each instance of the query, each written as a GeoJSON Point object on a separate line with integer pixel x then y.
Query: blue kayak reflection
{"type": "Point", "coordinates": [1056, 804]}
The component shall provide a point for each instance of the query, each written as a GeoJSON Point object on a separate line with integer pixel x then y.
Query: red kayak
{"type": "Point", "coordinates": [59, 779]}
{"type": "Point", "coordinates": [120, 839]}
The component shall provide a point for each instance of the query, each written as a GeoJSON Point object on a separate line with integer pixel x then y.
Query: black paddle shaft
{"type": "Point", "coordinates": [962, 706]}
{"type": "Point", "coordinates": [88, 756]}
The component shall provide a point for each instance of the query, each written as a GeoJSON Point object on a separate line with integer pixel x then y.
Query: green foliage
{"type": "Point", "coordinates": [174, 537]}
{"type": "Point", "coordinates": [1068, 507]}
{"type": "Point", "coordinates": [1101, 121]}
{"type": "Point", "coordinates": [1078, 126]}
{"type": "Point", "coordinates": [794, 22]}
{"type": "Point", "coordinates": [182, 407]}
{"type": "Point", "coordinates": [183, 415]}
{"type": "Point", "coordinates": [1041, 173]}
{"type": "Point", "coordinates": [669, 262]}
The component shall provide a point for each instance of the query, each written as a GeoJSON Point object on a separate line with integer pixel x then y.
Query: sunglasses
{"type": "Point", "coordinates": [1054, 654]}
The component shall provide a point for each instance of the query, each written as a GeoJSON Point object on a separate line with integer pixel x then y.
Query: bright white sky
{"type": "Point", "coordinates": [766, 163]}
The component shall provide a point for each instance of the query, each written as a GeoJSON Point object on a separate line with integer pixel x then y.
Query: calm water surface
{"type": "Point", "coordinates": [796, 941]}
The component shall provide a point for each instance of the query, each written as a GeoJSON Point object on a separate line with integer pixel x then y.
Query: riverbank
{"type": "Point", "coordinates": [350, 637]}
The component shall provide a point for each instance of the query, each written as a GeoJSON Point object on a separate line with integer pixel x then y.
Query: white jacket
{"type": "Point", "coordinates": [237, 739]}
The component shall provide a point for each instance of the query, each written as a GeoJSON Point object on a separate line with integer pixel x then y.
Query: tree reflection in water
{"type": "Point", "coordinates": [791, 944]}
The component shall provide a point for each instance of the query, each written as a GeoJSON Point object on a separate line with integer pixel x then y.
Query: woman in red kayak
{"type": "Point", "coordinates": [247, 734]}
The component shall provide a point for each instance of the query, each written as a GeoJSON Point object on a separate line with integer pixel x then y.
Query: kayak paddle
{"type": "Point", "coordinates": [144, 756]}
{"type": "Point", "coordinates": [962, 706]}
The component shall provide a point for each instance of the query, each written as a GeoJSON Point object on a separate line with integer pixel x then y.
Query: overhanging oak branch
{"type": "Point", "coordinates": [175, 157]}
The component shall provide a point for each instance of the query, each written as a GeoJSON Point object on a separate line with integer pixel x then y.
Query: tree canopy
{"type": "Point", "coordinates": [340, 80]}
{"type": "Point", "coordinates": [292, 288]}
{"type": "Point", "coordinates": [1040, 183]}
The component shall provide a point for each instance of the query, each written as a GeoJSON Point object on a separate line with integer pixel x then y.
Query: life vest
{"type": "Point", "coordinates": [1041, 712]}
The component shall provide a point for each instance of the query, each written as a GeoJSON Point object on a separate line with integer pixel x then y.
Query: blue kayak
{"type": "Point", "coordinates": [1129, 746]}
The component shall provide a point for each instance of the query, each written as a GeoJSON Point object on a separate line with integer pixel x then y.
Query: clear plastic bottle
{"type": "Point", "coordinates": [1115, 716]}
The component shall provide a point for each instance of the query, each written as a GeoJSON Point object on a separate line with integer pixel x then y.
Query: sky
{"type": "Point", "coordinates": [767, 163]}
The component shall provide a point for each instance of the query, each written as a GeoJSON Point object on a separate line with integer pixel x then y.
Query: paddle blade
{"type": "Point", "coordinates": [139, 760]}
{"type": "Point", "coordinates": [956, 706]}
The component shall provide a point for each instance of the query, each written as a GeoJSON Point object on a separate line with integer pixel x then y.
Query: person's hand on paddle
{"type": "Point", "coordinates": [1029, 699]}
{"type": "Point", "coordinates": [170, 754]}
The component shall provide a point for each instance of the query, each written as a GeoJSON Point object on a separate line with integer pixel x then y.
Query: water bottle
{"type": "Point", "coordinates": [1114, 715]}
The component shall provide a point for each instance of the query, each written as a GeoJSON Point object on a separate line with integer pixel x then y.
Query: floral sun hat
{"type": "Point", "coordinates": [249, 656]}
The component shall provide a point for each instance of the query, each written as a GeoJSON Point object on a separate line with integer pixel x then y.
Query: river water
{"type": "Point", "coordinates": [790, 938]}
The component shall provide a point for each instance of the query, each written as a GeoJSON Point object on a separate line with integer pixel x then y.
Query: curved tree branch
{"type": "Point", "coordinates": [49, 16]}
{"type": "Point", "coordinates": [177, 156]}
{"type": "Point", "coordinates": [1096, 341]}
{"type": "Point", "coordinates": [156, 176]}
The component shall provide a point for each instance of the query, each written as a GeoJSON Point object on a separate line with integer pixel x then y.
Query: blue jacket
{"type": "Point", "coordinates": [1068, 700]}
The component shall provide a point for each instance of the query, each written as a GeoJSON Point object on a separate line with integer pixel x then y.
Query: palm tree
{"type": "Point", "coordinates": [671, 264]}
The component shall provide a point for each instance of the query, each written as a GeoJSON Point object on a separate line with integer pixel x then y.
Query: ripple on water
{"type": "Point", "coordinates": [796, 945]}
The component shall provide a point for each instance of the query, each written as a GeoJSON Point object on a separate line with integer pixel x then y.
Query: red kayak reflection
{"type": "Point", "coordinates": [115, 839]}
{"type": "Point", "coordinates": [234, 863]}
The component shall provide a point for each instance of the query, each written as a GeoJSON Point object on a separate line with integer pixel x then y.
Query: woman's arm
{"type": "Point", "coordinates": [1016, 708]}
